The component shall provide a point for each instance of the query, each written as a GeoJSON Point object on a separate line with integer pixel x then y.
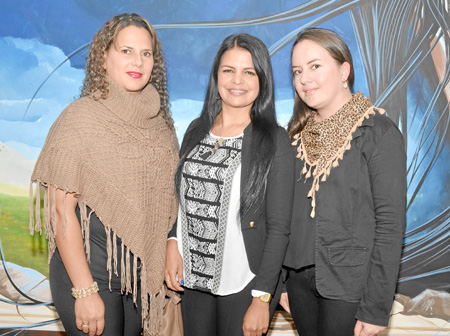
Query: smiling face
{"type": "Point", "coordinates": [237, 81]}
{"type": "Point", "coordinates": [129, 60]}
{"type": "Point", "coordinates": [319, 78]}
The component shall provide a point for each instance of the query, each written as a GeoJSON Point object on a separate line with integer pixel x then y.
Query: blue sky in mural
{"type": "Point", "coordinates": [39, 35]}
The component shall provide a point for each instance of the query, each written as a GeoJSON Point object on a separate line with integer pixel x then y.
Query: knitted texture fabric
{"type": "Point", "coordinates": [118, 156]}
{"type": "Point", "coordinates": [322, 144]}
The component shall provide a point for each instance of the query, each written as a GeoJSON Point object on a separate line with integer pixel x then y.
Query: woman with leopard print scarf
{"type": "Point", "coordinates": [349, 212]}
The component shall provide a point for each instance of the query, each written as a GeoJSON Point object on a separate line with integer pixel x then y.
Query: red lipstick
{"type": "Point", "coordinates": [134, 74]}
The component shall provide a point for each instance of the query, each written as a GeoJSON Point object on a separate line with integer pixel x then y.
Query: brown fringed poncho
{"type": "Point", "coordinates": [118, 156]}
{"type": "Point", "coordinates": [322, 144]}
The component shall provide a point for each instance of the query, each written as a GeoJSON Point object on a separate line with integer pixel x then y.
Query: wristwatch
{"type": "Point", "coordinates": [265, 298]}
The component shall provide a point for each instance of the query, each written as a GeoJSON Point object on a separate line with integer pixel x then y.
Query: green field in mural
{"type": "Point", "coordinates": [18, 245]}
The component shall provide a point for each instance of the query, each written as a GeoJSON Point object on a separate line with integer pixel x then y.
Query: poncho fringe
{"type": "Point", "coordinates": [150, 313]}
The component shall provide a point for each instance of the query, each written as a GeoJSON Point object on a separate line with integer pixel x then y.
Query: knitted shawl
{"type": "Point", "coordinates": [118, 156]}
{"type": "Point", "coordinates": [323, 144]}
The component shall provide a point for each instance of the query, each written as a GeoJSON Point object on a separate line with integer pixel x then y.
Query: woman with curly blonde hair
{"type": "Point", "coordinates": [95, 71]}
{"type": "Point", "coordinates": [107, 170]}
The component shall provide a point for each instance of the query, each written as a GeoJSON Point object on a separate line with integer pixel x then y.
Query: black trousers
{"type": "Point", "coordinates": [122, 317]}
{"type": "Point", "coordinates": [313, 314]}
{"type": "Point", "coordinates": [205, 314]}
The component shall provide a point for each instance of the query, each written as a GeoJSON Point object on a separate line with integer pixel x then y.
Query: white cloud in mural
{"type": "Point", "coordinates": [24, 150]}
{"type": "Point", "coordinates": [14, 168]}
{"type": "Point", "coordinates": [24, 66]}
{"type": "Point", "coordinates": [183, 112]}
{"type": "Point", "coordinates": [284, 111]}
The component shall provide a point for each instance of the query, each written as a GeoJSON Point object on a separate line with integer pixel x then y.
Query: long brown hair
{"type": "Point", "coordinates": [338, 49]}
{"type": "Point", "coordinates": [95, 79]}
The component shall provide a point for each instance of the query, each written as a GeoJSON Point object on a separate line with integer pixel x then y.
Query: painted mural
{"type": "Point", "coordinates": [401, 51]}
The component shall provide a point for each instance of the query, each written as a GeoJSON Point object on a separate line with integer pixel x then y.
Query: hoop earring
{"type": "Point", "coordinates": [151, 78]}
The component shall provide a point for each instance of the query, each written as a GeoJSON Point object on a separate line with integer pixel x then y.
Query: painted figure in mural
{"type": "Point", "coordinates": [107, 168]}
{"type": "Point", "coordinates": [235, 185]}
{"type": "Point", "coordinates": [349, 205]}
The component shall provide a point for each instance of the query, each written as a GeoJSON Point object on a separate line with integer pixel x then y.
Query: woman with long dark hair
{"type": "Point", "coordinates": [350, 199]}
{"type": "Point", "coordinates": [235, 185]}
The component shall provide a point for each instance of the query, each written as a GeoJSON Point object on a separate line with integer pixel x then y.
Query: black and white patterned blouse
{"type": "Point", "coordinates": [206, 189]}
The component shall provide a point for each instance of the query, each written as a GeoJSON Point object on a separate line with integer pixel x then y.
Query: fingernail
{"type": "Point", "coordinates": [182, 282]}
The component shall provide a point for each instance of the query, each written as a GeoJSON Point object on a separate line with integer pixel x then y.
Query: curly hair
{"type": "Point", "coordinates": [95, 79]}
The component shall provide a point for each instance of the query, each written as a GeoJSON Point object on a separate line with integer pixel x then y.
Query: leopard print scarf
{"type": "Point", "coordinates": [322, 144]}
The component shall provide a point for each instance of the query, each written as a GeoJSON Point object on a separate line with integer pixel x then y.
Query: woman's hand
{"type": "Point", "coordinates": [90, 310]}
{"type": "Point", "coordinates": [257, 318]}
{"type": "Point", "coordinates": [174, 266]}
{"type": "Point", "coordinates": [367, 329]}
{"type": "Point", "coordinates": [284, 302]}
{"type": "Point", "coordinates": [69, 240]}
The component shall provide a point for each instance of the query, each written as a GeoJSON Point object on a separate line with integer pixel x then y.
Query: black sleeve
{"type": "Point", "coordinates": [387, 172]}
{"type": "Point", "coordinates": [278, 205]}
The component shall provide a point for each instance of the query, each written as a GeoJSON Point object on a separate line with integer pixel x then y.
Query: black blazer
{"type": "Point", "coordinates": [359, 223]}
{"type": "Point", "coordinates": [266, 226]}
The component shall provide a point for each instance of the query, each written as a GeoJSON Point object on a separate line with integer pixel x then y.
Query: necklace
{"type": "Point", "coordinates": [221, 139]}
{"type": "Point", "coordinates": [217, 145]}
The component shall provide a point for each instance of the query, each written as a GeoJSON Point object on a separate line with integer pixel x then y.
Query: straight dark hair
{"type": "Point", "coordinates": [262, 115]}
{"type": "Point", "coordinates": [338, 49]}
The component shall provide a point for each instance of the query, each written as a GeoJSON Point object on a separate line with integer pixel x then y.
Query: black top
{"type": "Point", "coordinates": [303, 226]}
